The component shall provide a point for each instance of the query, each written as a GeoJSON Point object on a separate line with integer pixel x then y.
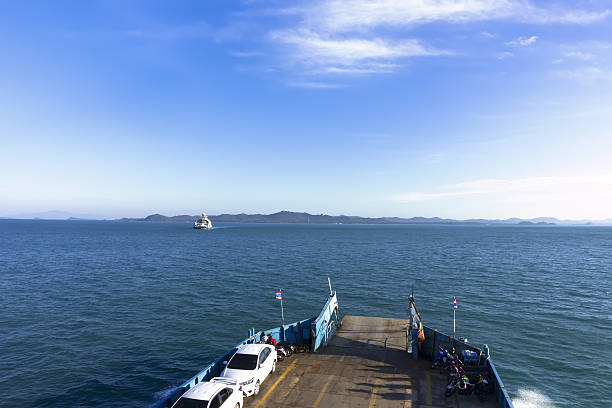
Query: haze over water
{"type": "Point", "coordinates": [111, 314]}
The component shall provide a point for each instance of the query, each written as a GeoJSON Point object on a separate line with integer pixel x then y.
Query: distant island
{"type": "Point", "coordinates": [289, 217]}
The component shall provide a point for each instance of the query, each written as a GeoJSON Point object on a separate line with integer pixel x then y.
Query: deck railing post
{"type": "Point", "coordinates": [433, 346]}
{"type": "Point", "coordinates": [415, 344]}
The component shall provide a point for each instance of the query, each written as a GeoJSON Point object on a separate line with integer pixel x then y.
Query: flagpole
{"type": "Point", "coordinates": [282, 311]}
{"type": "Point", "coordinates": [454, 311]}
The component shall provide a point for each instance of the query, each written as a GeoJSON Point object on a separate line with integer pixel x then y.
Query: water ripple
{"type": "Point", "coordinates": [112, 314]}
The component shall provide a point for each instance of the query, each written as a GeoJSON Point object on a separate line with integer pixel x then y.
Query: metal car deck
{"type": "Point", "coordinates": [365, 365]}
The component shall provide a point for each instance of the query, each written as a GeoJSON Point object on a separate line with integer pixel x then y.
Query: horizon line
{"type": "Point", "coordinates": [66, 215]}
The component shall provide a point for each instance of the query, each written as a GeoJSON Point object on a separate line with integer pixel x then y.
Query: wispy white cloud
{"type": "Point", "coordinates": [369, 68]}
{"type": "Point", "coordinates": [322, 54]}
{"type": "Point", "coordinates": [557, 185]}
{"type": "Point", "coordinates": [349, 15]}
{"type": "Point", "coordinates": [314, 85]}
{"type": "Point", "coordinates": [584, 56]}
{"type": "Point", "coordinates": [504, 55]}
{"type": "Point", "coordinates": [246, 54]}
{"type": "Point", "coordinates": [592, 52]}
{"type": "Point", "coordinates": [532, 14]}
{"type": "Point", "coordinates": [585, 73]}
{"type": "Point", "coordinates": [522, 41]}
{"type": "Point", "coordinates": [344, 37]}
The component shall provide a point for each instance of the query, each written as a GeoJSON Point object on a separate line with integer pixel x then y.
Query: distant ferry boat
{"type": "Point", "coordinates": [203, 223]}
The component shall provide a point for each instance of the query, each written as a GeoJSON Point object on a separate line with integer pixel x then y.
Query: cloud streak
{"type": "Point", "coordinates": [314, 85]}
{"type": "Point", "coordinates": [349, 15]}
{"type": "Point", "coordinates": [350, 37]}
{"type": "Point", "coordinates": [592, 52]}
{"type": "Point", "coordinates": [523, 41]}
{"type": "Point", "coordinates": [585, 73]}
{"type": "Point", "coordinates": [504, 55]}
{"type": "Point", "coordinates": [533, 185]}
{"type": "Point", "coordinates": [322, 54]}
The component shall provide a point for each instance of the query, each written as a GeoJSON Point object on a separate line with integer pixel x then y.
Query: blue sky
{"type": "Point", "coordinates": [467, 108]}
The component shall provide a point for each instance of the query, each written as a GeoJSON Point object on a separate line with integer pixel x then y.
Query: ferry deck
{"type": "Point", "coordinates": [365, 365]}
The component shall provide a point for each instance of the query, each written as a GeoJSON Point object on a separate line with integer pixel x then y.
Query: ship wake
{"type": "Point", "coordinates": [531, 398]}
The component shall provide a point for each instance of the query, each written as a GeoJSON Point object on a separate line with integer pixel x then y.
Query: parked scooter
{"type": "Point", "coordinates": [460, 384]}
{"type": "Point", "coordinates": [483, 387]}
{"type": "Point", "coordinates": [464, 385]}
{"type": "Point", "coordinates": [282, 352]}
{"type": "Point", "coordinates": [446, 360]}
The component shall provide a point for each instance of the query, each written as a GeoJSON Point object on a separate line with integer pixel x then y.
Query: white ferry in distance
{"type": "Point", "coordinates": [203, 223]}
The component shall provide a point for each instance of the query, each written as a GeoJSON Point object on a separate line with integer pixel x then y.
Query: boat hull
{"type": "Point", "coordinates": [340, 360]}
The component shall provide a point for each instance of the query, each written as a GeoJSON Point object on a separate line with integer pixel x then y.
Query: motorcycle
{"type": "Point", "coordinates": [282, 352]}
{"type": "Point", "coordinates": [446, 359]}
{"type": "Point", "coordinates": [463, 384]}
{"type": "Point", "coordinates": [483, 387]}
{"type": "Point", "coordinates": [460, 384]}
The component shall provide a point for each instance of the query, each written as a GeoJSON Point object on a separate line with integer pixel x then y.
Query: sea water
{"type": "Point", "coordinates": [113, 314]}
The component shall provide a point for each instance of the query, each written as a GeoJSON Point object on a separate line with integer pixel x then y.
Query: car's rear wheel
{"type": "Point", "coordinates": [256, 389]}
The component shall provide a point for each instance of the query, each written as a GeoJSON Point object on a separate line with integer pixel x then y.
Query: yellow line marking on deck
{"type": "Point", "coordinates": [320, 397]}
{"type": "Point", "coordinates": [428, 387]}
{"type": "Point", "coordinates": [342, 358]}
{"type": "Point", "coordinates": [374, 390]}
{"type": "Point", "coordinates": [263, 399]}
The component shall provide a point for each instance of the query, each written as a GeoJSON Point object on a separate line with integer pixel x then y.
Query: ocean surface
{"type": "Point", "coordinates": [112, 314]}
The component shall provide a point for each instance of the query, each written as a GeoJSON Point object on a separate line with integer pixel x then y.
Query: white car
{"type": "Point", "coordinates": [250, 366]}
{"type": "Point", "coordinates": [217, 393]}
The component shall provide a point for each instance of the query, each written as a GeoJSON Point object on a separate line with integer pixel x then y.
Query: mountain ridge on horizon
{"type": "Point", "coordinates": [285, 216]}
{"type": "Point", "coordinates": [304, 218]}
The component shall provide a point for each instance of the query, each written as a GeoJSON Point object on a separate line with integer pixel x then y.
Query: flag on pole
{"type": "Point", "coordinates": [279, 295]}
{"type": "Point", "coordinates": [454, 303]}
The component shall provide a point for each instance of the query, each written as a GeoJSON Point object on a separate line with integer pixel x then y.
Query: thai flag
{"type": "Point", "coordinates": [279, 295]}
{"type": "Point", "coordinates": [455, 303]}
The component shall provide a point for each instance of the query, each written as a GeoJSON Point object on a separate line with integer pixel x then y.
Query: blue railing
{"type": "Point", "coordinates": [434, 340]}
{"type": "Point", "coordinates": [324, 326]}
{"type": "Point", "coordinates": [299, 333]}
{"type": "Point", "coordinates": [503, 399]}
